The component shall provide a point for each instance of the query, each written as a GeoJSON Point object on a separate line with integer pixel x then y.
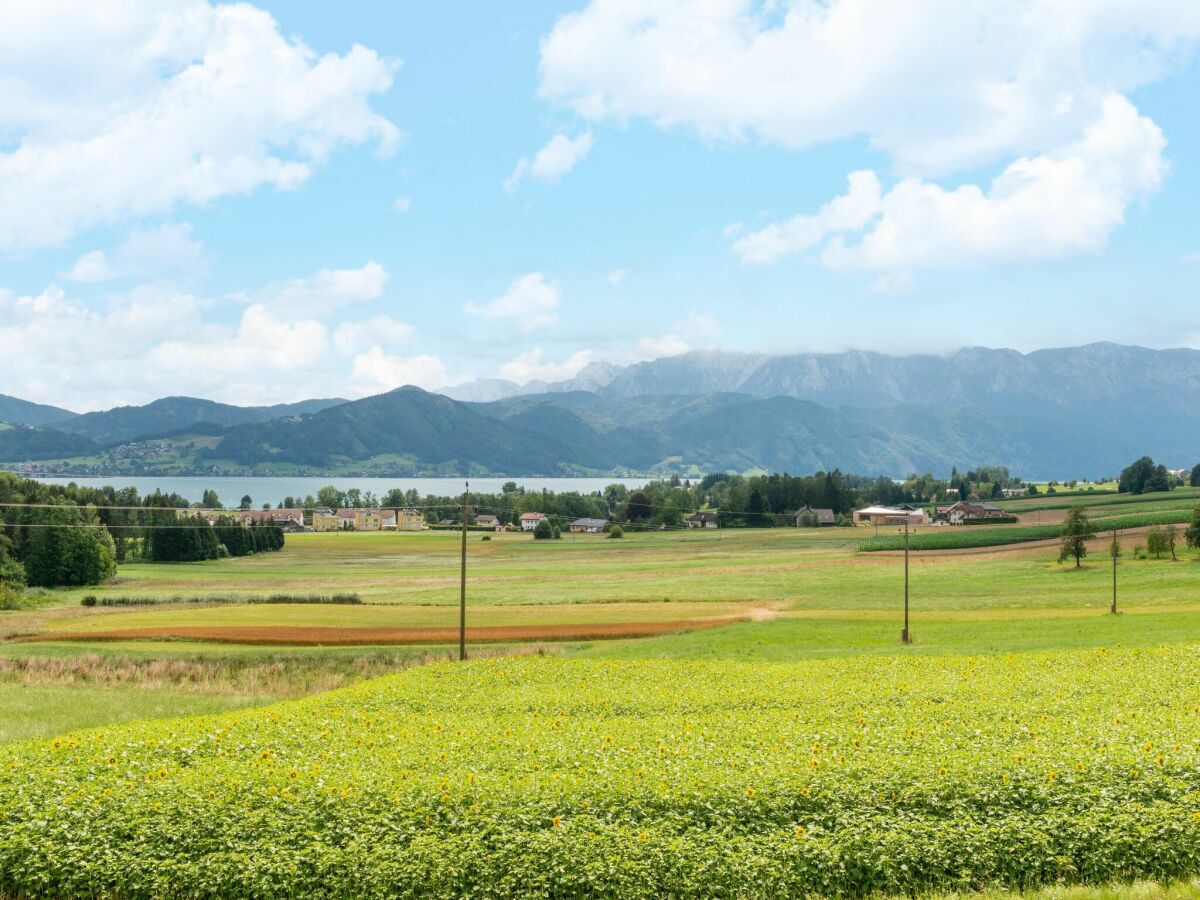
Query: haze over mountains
{"type": "Point", "coordinates": [1074, 412]}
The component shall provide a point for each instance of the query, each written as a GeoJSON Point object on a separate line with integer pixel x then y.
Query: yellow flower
{"type": "Point", "coordinates": [799, 832]}
{"type": "Point", "coordinates": [556, 821]}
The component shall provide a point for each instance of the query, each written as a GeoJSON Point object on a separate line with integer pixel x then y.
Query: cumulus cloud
{"type": "Point", "coordinates": [321, 292]}
{"type": "Point", "coordinates": [167, 250]}
{"type": "Point", "coordinates": [156, 104]}
{"type": "Point", "coordinates": [560, 155]}
{"type": "Point", "coordinates": [1060, 203]}
{"type": "Point", "coordinates": [381, 331]}
{"type": "Point", "coordinates": [533, 366]}
{"type": "Point", "coordinates": [376, 371]}
{"type": "Point", "coordinates": [531, 302]}
{"type": "Point", "coordinates": [154, 340]}
{"type": "Point", "coordinates": [1038, 89]}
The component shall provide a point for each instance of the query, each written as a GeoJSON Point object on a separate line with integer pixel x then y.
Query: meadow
{"type": "Point", "coordinates": [775, 737]}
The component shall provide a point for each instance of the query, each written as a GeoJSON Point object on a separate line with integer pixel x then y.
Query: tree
{"type": "Point", "coordinates": [1192, 535]}
{"type": "Point", "coordinates": [246, 502]}
{"type": "Point", "coordinates": [1194, 479]}
{"type": "Point", "coordinates": [211, 500]}
{"type": "Point", "coordinates": [1172, 536]}
{"type": "Point", "coordinates": [544, 531]}
{"type": "Point", "coordinates": [616, 532]}
{"type": "Point", "coordinates": [638, 507]}
{"type": "Point", "coordinates": [1076, 531]}
{"type": "Point", "coordinates": [330, 497]}
{"type": "Point", "coordinates": [1144, 476]}
{"type": "Point", "coordinates": [80, 552]}
{"type": "Point", "coordinates": [1156, 542]}
{"type": "Point", "coordinates": [11, 571]}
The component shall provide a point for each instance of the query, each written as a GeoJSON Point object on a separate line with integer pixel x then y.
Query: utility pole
{"type": "Point", "coordinates": [1116, 548]}
{"type": "Point", "coordinates": [462, 593]}
{"type": "Point", "coordinates": [904, 635]}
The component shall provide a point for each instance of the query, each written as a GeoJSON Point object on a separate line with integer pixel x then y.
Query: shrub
{"type": "Point", "coordinates": [486, 537]}
{"type": "Point", "coordinates": [616, 531]}
{"type": "Point", "coordinates": [10, 598]}
{"type": "Point", "coordinates": [89, 600]}
{"type": "Point", "coordinates": [544, 531]}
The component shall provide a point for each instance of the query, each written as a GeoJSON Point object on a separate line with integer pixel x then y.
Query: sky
{"type": "Point", "coordinates": [263, 202]}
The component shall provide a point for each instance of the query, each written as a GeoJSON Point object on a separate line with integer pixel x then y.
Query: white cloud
{"type": "Point", "coordinates": [376, 371]}
{"type": "Point", "coordinates": [560, 155]}
{"type": "Point", "coordinates": [350, 337]}
{"type": "Point", "coordinates": [402, 204]}
{"type": "Point", "coordinates": [124, 108]}
{"type": "Point", "coordinates": [1064, 202]}
{"type": "Point", "coordinates": [616, 276]}
{"type": "Point", "coordinates": [166, 250]}
{"type": "Point", "coordinates": [657, 347]}
{"type": "Point", "coordinates": [530, 301]}
{"type": "Point", "coordinates": [1037, 89]}
{"type": "Point", "coordinates": [700, 324]}
{"type": "Point", "coordinates": [154, 341]}
{"type": "Point", "coordinates": [321, 292]}
{"type": "Point", "coordinates": [937, 86]}
{"type": "Point", "coordinates": [533, 366]}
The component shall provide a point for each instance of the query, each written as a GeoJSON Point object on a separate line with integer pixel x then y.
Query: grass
{"type": "Point", "coordinates": [31, 711]}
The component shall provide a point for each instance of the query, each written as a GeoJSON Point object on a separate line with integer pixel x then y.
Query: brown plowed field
{"type": "Point", "coordinates": [322, 636]}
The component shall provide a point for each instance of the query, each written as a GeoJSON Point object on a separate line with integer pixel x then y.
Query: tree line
{"type": "Point", "coordinates": [68, 535]}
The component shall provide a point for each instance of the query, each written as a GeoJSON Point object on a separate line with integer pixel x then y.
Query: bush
{"type": "Point", "coordinates": [544, 531]}
{"type": "Point", "coordinates": [233, 599]}
{"type": "Point", "coordinates": [10, 598]}
{"type": "Point", "coordinates": [486, 537]}
{"type": "Point", "coordinates": [616, 531]}
{"type": "Point", "coordinates": [89, 600]}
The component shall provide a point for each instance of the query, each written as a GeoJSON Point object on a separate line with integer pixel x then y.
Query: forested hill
{"type": "Point", "coordinates": [15, 411]}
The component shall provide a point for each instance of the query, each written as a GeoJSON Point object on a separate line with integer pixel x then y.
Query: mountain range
{"type": "Point", "coordinates": [1072, 412]}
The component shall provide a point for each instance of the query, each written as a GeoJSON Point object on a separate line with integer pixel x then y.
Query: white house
{"type": "Point", "coordinates": [531, 520]}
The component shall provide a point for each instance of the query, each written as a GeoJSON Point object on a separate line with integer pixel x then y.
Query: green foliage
{"type": "Point", "coordinates": [10, 597]}
{"type": "Point", "coordinates": [1144, 476]}
{"type": "Point", "coordinates": [544, 531]}
{"type": "Point", "coordinates": [1075, 534]}
{"type": "Point", "coordinates": [1194, 476]}
{"type": "Point", "coordinates": [902, 775]}
{"type": "Point", "coordinates": [616, 531]}
{"type": "Point", "coordinates": [186, 539]}
{"type": "Point", "coordinates": [1192, 535]}
{"type": "Point", "coordinates": [77, 552]}
{"type": "Point", "coordinates": [1156, 542]}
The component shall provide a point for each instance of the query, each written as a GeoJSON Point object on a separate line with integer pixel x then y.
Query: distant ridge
{"type": "Point", "coordinates": [15, 411]}
{"type": "Point", "coordinates": [1074, 412]}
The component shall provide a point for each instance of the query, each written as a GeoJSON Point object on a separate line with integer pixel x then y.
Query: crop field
{"type": "Point", "coordinates": [761, 730]}
{"type": "Point", "coordinates": [571, 777]}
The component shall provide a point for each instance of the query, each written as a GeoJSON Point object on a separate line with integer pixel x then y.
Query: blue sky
{"type": "Point", "coordinates": [234, 202]}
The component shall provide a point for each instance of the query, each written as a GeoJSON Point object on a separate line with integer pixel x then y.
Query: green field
{"type": "Point", "coordinates": [446, 775]}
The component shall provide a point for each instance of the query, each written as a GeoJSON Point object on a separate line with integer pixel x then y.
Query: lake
{"type": "Point", "coordinates": [274, 490]}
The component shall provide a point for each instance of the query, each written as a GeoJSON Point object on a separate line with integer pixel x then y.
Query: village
{"type": "Point", "coordinates": [325, 519]}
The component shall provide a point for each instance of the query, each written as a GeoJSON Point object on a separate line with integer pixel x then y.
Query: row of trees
{"type": "Point", "coordinates": [1160, 540]}
{"type": "Point", "coordinates": [55, 535]}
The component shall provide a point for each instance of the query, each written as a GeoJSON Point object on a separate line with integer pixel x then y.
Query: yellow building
{"type": "Point", "coordinates": [326, 522]}
{"type": "Point", "coordinates": [367, 520]}
{"type": "Point", "coordinates": [409, 520]}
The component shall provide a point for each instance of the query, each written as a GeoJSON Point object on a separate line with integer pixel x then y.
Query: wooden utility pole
{"type": "Point", "coordinates": [462, 592]}
{"type": "Point", "coordinates": [1114, 550]}
{"type": "Point", "coordinates": [904, 635]}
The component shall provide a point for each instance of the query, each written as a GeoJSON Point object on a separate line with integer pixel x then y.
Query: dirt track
{"type": "Point", "coordinates": [324, 636]}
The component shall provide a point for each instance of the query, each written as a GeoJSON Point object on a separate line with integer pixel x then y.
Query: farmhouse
{"type": "Point", "coordinates": [289, 519]}
{"type": "Point", "coordinates": [489, 521]}
{"type": "Point", "coordinates": [807, 516]}
{"type": "Point", "coordinates": [888, 515]}
{"type": "Point", "coordinates": [957, 513]}
{"type": "Point", "coordinates": [531, 520]}
{"type": "Point", "coordinates": [589, 526]}
{"type": "Point", "coordinates": [703, 520]}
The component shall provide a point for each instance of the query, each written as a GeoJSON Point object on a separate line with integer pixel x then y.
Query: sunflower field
{"type": "Point", "coordinates": [547, 776]}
